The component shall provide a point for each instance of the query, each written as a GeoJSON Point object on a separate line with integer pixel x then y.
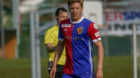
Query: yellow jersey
{"type": "Point", "coordinates": [51, 36]}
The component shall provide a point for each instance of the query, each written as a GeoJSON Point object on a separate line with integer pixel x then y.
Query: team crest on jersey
{"type": "Point", "coordinates": [80, 30]}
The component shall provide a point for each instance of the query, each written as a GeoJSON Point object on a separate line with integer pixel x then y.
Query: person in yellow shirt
{"type": "Point", "coordinates": [51, 40]}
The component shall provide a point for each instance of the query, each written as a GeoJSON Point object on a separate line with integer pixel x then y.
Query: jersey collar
{"type": "Point", "coordinates": [73, 22]}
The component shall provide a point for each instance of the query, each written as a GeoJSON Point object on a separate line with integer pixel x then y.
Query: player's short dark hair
{"type": "Point", "coordinates": [75, 1]}
{"type": "Point", "coordinates": [59, 10]}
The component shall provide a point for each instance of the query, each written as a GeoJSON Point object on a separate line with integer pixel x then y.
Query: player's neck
{"type": "Point", "coordinates": [77, 21]}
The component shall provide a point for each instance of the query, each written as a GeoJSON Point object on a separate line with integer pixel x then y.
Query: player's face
{"type": "Point", "coordinates": [75, 11]}
{"type": "Point", "coordinates": [62, 16]}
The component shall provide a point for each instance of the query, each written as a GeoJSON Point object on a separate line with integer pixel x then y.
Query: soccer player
{"type": "Point", "coordinates": [78, 34]}
{"type": "Point", "coordinates": [51, 40]}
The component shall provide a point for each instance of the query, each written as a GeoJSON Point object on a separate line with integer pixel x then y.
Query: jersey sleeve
{"type": "Point", "coordinates": [48, 37]}
{"type": "Point", "coordinates": [93, 33]}
{"type": "Point", "coordinates": [60, 35]}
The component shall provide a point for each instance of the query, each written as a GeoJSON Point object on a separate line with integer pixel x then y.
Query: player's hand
{"type": "Point", "coordinates": [52, 73]}
{"type": "Point", "coordinates": [99, 74]}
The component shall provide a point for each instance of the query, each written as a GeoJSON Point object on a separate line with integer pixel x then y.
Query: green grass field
{"type": "Point", "coordinates": [114, 67]}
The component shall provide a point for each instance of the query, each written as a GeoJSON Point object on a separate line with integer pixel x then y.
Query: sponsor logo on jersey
{"type": "Point", "coordinates": [80, 30]}
{"type": "Point", "coordinates": [66, 25]}
{"type": "Point", "coordinates": [73, 38]}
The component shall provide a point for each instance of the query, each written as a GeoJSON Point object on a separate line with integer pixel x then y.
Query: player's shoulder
{"type": "Point", "coordinates": [52, 29]}
{"type": "Point", "coordinates": [87, 21]}
{"type": "Point", "coordinates": [90, 23]}
{"type": "Point", "coordinates": [55, 27]}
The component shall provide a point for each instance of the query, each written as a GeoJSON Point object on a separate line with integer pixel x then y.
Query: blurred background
{"type": "Point", "coordinates": [23, 24]}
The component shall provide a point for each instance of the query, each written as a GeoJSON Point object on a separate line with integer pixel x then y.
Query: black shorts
{"type": "Point", "coordinates": [59, 70]}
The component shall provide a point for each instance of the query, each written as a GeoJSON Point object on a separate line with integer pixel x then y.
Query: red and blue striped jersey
{"type": "Point", "coordinates": [78, 38]}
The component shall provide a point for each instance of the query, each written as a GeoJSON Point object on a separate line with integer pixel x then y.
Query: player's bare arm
{"type": "Point", "coordinates": [50, 47]}
{"type": "Point", "coordinates": [99, 72]}
{"type": "Point", "coordinates": [58, 52]}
